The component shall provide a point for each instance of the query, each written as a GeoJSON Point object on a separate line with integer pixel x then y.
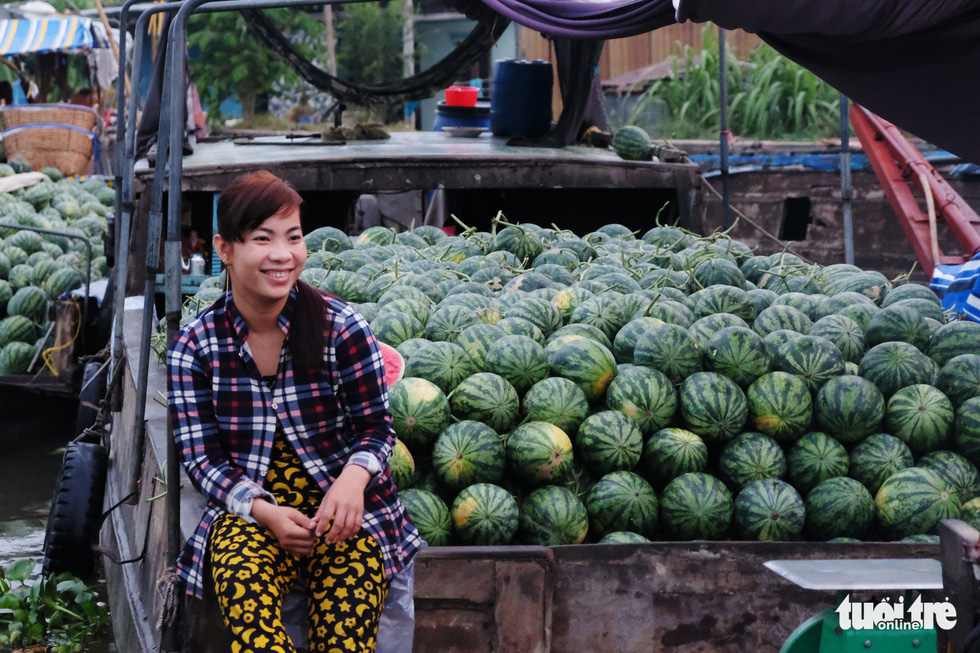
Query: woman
{"type": "Point", "coordinates": [279, 408]}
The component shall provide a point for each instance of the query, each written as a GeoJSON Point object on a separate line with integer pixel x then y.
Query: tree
{"type": "Point", "coordinates": [370, 43]}
{"type": "Point", "coordinates": [227, 61]}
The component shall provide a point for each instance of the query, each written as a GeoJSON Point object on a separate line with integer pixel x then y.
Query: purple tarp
{"type": "Point", "coordinates": [913, 62]}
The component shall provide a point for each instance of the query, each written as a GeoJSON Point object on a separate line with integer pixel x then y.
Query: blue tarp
{"type": "Point", "coordinates": [958, 288]}
{"type": "Point", "coordinates": [49, 34]}
{"type": "Point", "coordinates": [827, 162]}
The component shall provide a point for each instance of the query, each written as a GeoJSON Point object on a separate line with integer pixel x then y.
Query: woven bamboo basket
{"type": "Point", "coordinates": [75, 115]}
{"type": "Point", "coordinates": [69, 150]}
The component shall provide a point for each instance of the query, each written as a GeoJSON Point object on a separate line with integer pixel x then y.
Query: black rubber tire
{"type": "Point", "coordinates": [75, 510]}
{"type": "Point", "coordinates": [93, 391]}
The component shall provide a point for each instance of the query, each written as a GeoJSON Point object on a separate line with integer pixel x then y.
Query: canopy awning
{"type": "Point", "coordinates": [48, 34]}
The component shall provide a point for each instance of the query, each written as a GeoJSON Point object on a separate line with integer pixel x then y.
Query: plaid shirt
{"type": "Point", "coordinates": [225, 419]}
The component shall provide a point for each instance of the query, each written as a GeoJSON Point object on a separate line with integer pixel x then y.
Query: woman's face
{"type": "Point", "coordinates": [268, 263]}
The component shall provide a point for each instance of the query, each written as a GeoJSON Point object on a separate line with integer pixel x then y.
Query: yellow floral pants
{"type": "Point", "coordinates": [252, 574]}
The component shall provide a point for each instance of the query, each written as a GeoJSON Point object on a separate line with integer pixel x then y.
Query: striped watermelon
{"type": "Point", "coordinates": [738, 353]}
{"type": "Point", "coordinates": [623, 537]}
{"type": "Point", "coordinates": [552, 515]}
{"type": "Point", "coordinates": [705, 328]}
{"type": "Point", "coordinates": [60, 281]}
{"type": "Point", "coordinates": [669, 349]}
{"type": "Point", "coordinates": [898, 323]}
{"type": "Point", "coordinates": [588, 364]}
{"type": "Point", "coordinates": [814, 458]}
{"type": "Point", "coordinates": [625, 342]}
{"type": "Point", "coordinates": [839, 507]}
{"type": "Point", "coordinates": [16, 328]}
{"type": "Point", "coordinates": [484, 515]}
{"type": "Point", "coordinates": [719, 272]}
{"type": "Point", "coordinates": [913, 501]}
{"type": "Point", "coordinates": [845, 334]}
{"type": "Point", "coordinates": [959, 378]}
{"type": "Point", "coordinates": [29, 301]}
{"type": "Point", "coordinates": [966, 430]}
{"type": "Point", "coordinates": [517, 326]}
{"type": "Point", "coordinates": [557, 401]}
{"type": "Point", "coordinates": [671, 312]}
{"type": "Point", "coordinates": [776, 318]}
{"type": "Point", "coordinates": [877, 458]}
{"type": "Point", "coordinates": [671, 452]}
{"type": "Point", "coordinates": [713, 406]}
{"type": "Point", "coordinates": [927, 309]}
{"type": "Point", "coordinates": [404, 291]}
{"type": "Point", "coordinates": [468, 452]}
{"type": "Point", "coordinates": [377, 235]}
{"type": "Point", "coordinates": [538, 311]}
{"type": "Point", "coordinates": [442, 363]}
{"type": "Point", "coordinates": [402, 465]}
{"type": "Point", "coordinates": [750, 457]}
{"type": "Point", "coordinates": [395, 328]}
{"type": "Point", "coordinates": [910, 291]}
{"type": "Point", "coordinates": [921, 416]}
{"type": "Point", "coordinates": [970, 512]}
{"type": "Point", "coordinates": [695, 506]}
{"type": "Point", "coordinates": [862, 314]}
{"type": "Point", "coordinates": [420, 311]}
{"type": "Point", "coordinates": [646, 396]}
{"type": "Point", "coordinates": [808, 304]}
{"type": "Point", "coordinates": [538, 452]}
{"type": "Point", "coordinates": [953, 339]}
{"type": "Point", "coordinates": [893, 365]}
{"type": "Point", "coordinates": [487, 398]}
{"type": "Point", "coordinates": [622, 501]}
{"type": "Point", "coordinates": [725, 299]}
{"type": "Point", "coordinates": [447, 322]}
{"type": "Point", "coordinates": [780, 406]}
{"type": "Point", "coordinates": [520, 241]}
{"type": "Point", "coordinates": [849, 408]}
{"type": "Point", "coordinates": [476, 341]}
{"type": "Point", "coordinates": [429, 514]}
{"type": "Point", "coordinates": [567, 300]}
{"type": "Point", "coordinates": [869, 283]}
{"type": "Point", "coordinates": [769, 510]}
{"type": "Point", "coordinates": [583, 330]}
{"type": "Point", "coordinates": [16, 357]}
{"type": "Point", "coordinates": [409, 348]}
{"type": "Point", "coordinates": [955, 470]}
{"type": "Point", "coordinates": [609, 441]}
{"type": "Point", "coordinates": [518, 359]}
{"type": "Point", "coordinates": [603, 313]}
{"type": "Point", "coordinates": [814, 359]}
{"type": "Point", "coordinates": [419, 411]}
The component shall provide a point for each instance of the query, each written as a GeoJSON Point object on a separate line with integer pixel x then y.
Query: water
{"type": "Point", "coordinates": [29, 470]}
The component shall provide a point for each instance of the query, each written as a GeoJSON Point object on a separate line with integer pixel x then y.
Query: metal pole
{"type": "Point", "coordinates": [726, 218]}
{"type": "Point", "coordinates": [846, 187]}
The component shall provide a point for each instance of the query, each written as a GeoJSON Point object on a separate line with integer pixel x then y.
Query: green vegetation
{"type": "Point", "coordinates": [770, 97]}
{"type": "Point", "coordinates": [60, 611]}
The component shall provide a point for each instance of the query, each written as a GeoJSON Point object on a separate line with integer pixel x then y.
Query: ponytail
{"type": "Point", "coordinates": [306, 341]}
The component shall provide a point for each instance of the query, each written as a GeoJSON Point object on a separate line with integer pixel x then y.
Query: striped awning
{"type": "Point", "coordinates": [33, 35]}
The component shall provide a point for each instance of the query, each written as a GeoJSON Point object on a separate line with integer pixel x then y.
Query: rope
{"type": "Point", "coordinates": [46, 355]}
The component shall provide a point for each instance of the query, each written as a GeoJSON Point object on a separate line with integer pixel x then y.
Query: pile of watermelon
{"type": "Point", "coordinates": [36, 268]}
{"type": "Point", "coordinates": [560, 389]}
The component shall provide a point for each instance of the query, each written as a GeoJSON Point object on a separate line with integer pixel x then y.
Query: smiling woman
{"type": "Point", "coordinates": [280, 411]}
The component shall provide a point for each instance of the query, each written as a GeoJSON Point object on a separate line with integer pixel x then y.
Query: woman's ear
{"type": "Point", "coordinates": [223, 247]}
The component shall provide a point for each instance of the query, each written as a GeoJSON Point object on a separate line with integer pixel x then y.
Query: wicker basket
{"type": "Point", "coordinates": [56, 135]}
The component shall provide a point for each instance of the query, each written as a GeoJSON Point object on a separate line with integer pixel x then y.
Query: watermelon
{"type": "Point", "coordinates": [552, 515]}
{"type": "Point", "coordinates": [777, 318]}
{"type": "Point", "coordinates": [703, 330]}
{"type": "Point", "coordinates": [877, 458]}
{"type": "Point", "coordinates": [443, 363]}
{"type": "Point", "coordinates": [738, 353]}
{"type": "Point", "coordinates": [623, 537]}
{"type": "Point", "coordinates": [377, 235]}
{"type": "Point", "coordinates": [767, 510]}
{"type": "Point", "coordinates": [631, 143]}
{"type": "Point", "coordinates": [849, 408]}
{"type": "Point", "coordinates": [395, 328]}
{"type": "Point", "coordinates": [780, 406]}
{"type": "Point", "coordinates": [520, 241]}
{"type": "Point", "coordinates": [476, 341]}
{"type": "Point", "coordinates": [520, 360]}
{"type": "Point", "coordinates": [538, 452]}
{"type": "Point", "coordinates": [410, 347]}
{"type": "Point", "coordinates": [646, 396]}
{"type": "Point", "coordinates": [669, 349]}
{"type": "Point", "coordinates": [447, 322]}
{"type": "Point", "coordinates": [861, 314]}
{"type": "Point", "coordinates": [516, 326]}
{"type": "Point", "coordinates": [895, 365]}
{"type": "Point", "coordinates": [953, 339]}
{"type": "Point", "coordinates": [808, 304]}
{"type": "Point", "coordinates": [16, 357]}
{"type": "Point", "coordinates": [625, 341]}
{"type": "Point", "coordinates": [468, 452]}
{"type": "Point", "coordinates": [959, 378]}
{"type": "Point", "coordinates": [921, 416]}
{"type": "Point", "coordinates": [538, 311]}
{"type": "Point", "coordinates": [845, 334]}
{"type": "Point", "coordinates": [487, 398]}
{"type": "Point", "coordinates": [586, 363]}
{"type": "Point", "coordinates": [567, 300]}
{"type": "Point", "coordinates": [557, 401]}
{"type": "Point", "coordinates": [29, 301]}
{"type": "Point", "coordinates": [695, 506]}
{"type": "Point", "coordinates": [327, 239]}
{"type": "Point", "coordinates": [603, 313]}
{"type": "Point", "coordinates": [622, 501]}
{"type": "Point", "coordinates": [402, 464]}
{"type": "Point", "coordinates": [930, 311]}
{"type": "Point", "coordinates": [814, 458]}
{"type": "Point", "coordinates": [671, 452]}
{"type": "Point", "coordinates": [898, 323]}
{"type": "Point", "coordinates": [970, 512]}
{"type": "Point", "coordinates": [750, 457]}
{"type": "Point", "coordinates": [584, 331]}
{"type": "Point", "coordinates": [484, 514]}
{"type": "Point", "coordinates": [869, 283]}
{"type": "Point", "coordinates": [16, 328]}
{"type": "Point", "coordinates": [955, 470]}
{"type": "Point", "coordinates": [719, 271]}
{"type": "Point", "coordinates": [966, 430]}
{"type": "Point", "coordinates": [910, 291]}
{"type": "Point", "coordinates": [609, 441]}
{"type": "Point", "coordinates": [913, 501]}
{"type": "Point", "coordinates": [420, 412]}
{"type": "Point", "coordinates": [724, 300]}
{"type": "Point", "coordinates": [814, 359]}
{"type": "Point", "coordinates": [429, 514]}
{"type": "Point", "coordinates": [839, 507]}
{"type": "Point", "coordinates": [418, 310]}
{"type": "Point", "coordinates": [713, 406]}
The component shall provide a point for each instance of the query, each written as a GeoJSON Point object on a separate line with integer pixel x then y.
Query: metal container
{"type": "Point", "coordinates": [197, 264]}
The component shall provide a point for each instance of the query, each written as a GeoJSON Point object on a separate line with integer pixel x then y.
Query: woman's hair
{"type": "Point", "coordinates": [242, 207]}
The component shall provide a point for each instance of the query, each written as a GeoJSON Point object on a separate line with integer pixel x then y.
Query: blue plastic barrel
{"type": "Point", "coordinates": [520, 101]}
{"type": "Point", "coordinates": [450, 116]}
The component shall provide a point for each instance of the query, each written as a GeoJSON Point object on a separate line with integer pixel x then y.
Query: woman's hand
{"type": "Point", "coordinates": [293, 529]}
{"type": "Point", "coordinates": [342, 510]}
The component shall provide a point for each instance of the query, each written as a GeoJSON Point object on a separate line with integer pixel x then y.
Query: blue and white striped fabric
{"type": "Point", "coordinates": [32, 35]}
{"type": "Point", "coordinates": [958, 286]}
